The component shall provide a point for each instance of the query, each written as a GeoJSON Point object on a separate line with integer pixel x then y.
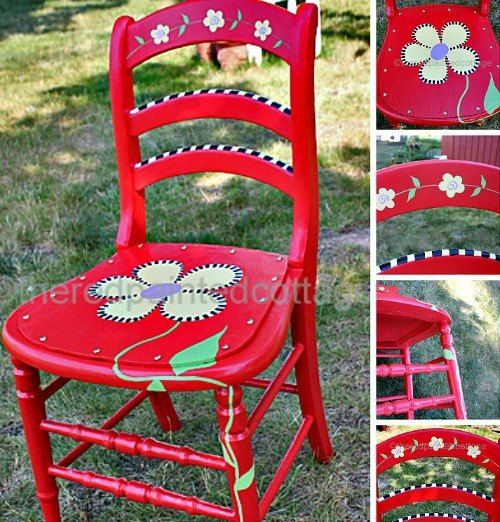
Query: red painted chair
{"type": "Point", "coordinates": [422, 185]}
{"type": "Point", "coordinates": [439, 65]}
{"type": "Point", "coordinates": [439, 443]}
{"type": "Point", "coordinates": [402, 322]}
{"type": "Point", "coordinates": [170, 317]}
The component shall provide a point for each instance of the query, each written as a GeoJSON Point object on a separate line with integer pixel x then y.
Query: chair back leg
{"type": "Point", "coordinates": [408, 381]}
{"type": "Point", "coordinates": [164, 410]}
{"type": "Point", "coordinates": [32, 407]}
{"type": "Point", "coordinates": [307, 376]}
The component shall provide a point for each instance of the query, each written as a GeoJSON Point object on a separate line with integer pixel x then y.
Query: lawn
{"type": "Point", "coordinates": [59, 208]}
{"type": "Point", "coordinates": [382, 123]}
{"type": "Point", "coordinates": [435, 228]}
{"type": "Point", "coordinates": [431, 470]}
{"type": "Point", "coordinates": [473, 307]}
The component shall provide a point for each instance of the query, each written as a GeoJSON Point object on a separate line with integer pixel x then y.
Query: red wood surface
{"type": "Point", "coordinates": [440, 443]}
{"type": "Point", "coordinates": [404, 98]}
{"type": "Point", "coordinates": [481, 149]}
{"type": "Point", "coordinates": [74, 335]}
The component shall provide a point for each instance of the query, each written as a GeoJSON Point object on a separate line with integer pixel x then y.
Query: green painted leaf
{"type": "Point", "coordinates": [182, 28]}
{"type": "Point", "coordinates": [483, 181]}
{"type": "Point", "coordinates": [240, 16]}
{"type": "Point", "coordinates": [382, 455]}
{"type": "Point", "coordinates": [416, 181]}
{"type": "Point", "coordinates": [185, 18]}
{"type": "Point", "coordinates": [156, 385]}
{"type": "Point", "coordinates": [455, 441]}
{"type": "Point", "coordinates": [485, 461]}
{"type": "Point", "coordinates": [448, 354]}
{"type": "Point", "coordinates": [245, 480]}
{"type": "Point", "coordinates": [415, 441]}
{"type": "Point", "coordinates": [199, 355]}
{"type": "Point", "coordinates": [234, 25]}
{"type": "Point", "coordinates": [277, 44]}
{"type": "Point", "coordinates": [452, 446]}
{"type": "Point", "coordinates": [411, 194]}
{"type": "Point", "coordinates": [492, 97]}
{"type": "Point", "coordinates": [140, 39]}
{"type": "Point", "coordinates": [476, 191]}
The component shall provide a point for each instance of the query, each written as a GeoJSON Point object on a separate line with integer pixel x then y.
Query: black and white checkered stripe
{"type": "Point", "coordinates": [235, 92]}
{"type": "Point", "coordinates": [229, 148]}
{"type": "Point", "coordinates": [435, 485]}
{"type": "Point", "coordinates": [436, 515]}
{"type": "Point", "coordinates": [436, 253]}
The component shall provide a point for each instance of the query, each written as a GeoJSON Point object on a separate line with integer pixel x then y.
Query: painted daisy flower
{"type": "Point", "coordinates": [213, 20]}
{"type": "Point", "coordinates": [162, 284]}
{"type": "Point", "coordinates": [451, 185]}
{"type": "Point", "coordinates": [160, 34]}
{"type": "Point", "coordinates": [436, 52]}
{"type": "Point", "coordinates": [436, 443]}
{"type": "Point", "coordinates": [262, 29]}
{"type": "Point", "coordinates": [473, 451]}
{"type": "Point", "coordinates": [398, 452]}
{"type": "Point", "coordinates": [385, 198]}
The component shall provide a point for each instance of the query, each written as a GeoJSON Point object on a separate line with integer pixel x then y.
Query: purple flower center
{"type": "Point", "coordinates": [452, 185]}
{"type": "Point", "coordinates": [439, 51]}
{"type": "Point", "coordinates": [161, 291]}
{"type": "Point", "coordinates": [214, 20]}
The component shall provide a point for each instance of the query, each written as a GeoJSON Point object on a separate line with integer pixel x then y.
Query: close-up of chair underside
{"type": "Point", "coordinates": [162, 317]}
{"type": "Point", "coordinates": [402, 323]}
{"type": "Point", "coordinates": [438, 65]}
{"type": "Point", "coordinates": [433, 448]}
{"type": "Point", "coordinates": [430, 184]}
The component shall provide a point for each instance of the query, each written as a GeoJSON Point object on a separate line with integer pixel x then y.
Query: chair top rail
{"type": "Point", "coordinates": [427, 184]}
{"type": "Point", "coordinates": [392, 9]}
{"type": "Point", "coordinates": [248, 22]}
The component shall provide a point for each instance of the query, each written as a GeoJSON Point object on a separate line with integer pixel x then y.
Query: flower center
{"type": "Point", "coordinates": [452, 185]}
{"type": "Point", "coordinates": [214, 20]}
{"type": "Point", "coordinates": [262, 30]}
{"type": "Point", "coordinates": [439, 51]}
{"type": "Point", "coordinates": [383, 198]}
{"type": "Point", "coordinates": [161, 291]}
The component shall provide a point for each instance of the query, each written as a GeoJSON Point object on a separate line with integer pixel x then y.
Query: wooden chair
{"type": "Point", "coordinates": [403, 322]}
{"type": "Point", "coordinates": [439, 443]}
{"type": "Point", "coordinates": [162, 317]}
{"type": "Point", "coordinates": [422, 185]}
{"type": "Point", "coordinates": [439, 65]}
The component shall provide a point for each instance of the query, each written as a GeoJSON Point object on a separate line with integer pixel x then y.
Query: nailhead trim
{"type": "Point", "coordinates": [442, 515]}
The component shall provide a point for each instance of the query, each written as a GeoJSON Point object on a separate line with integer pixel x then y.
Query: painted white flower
{"type": "Point", "coordinates": [473, 451]}
{"type": "Point", "coordinates": [160, 34]}
{"type": "Point", "coordinates": [451, 185]}
{"type": "Point", "coordinates": [398, 452]}
{"type": "Point", "coordinates": [436, 443]}
{"type": "Point", "coordinates": [262, 29]}
{"type": "Point", "coordinates": [385, 198]}
{"type": "Point", "coordinates": [214, 20]}
{"type": "Point", "coordinates": [436, 52]}
{"type": "Point", "coordinates": [162, 284]}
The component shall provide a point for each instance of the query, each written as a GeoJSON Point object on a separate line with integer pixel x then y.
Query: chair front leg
{"type": "Point", "coordinates": [32, 408]}
{"type": "Point", "coordinates": [237, 450]}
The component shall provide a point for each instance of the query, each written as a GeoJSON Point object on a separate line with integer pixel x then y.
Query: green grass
{"type": "Point", "coordinates": [473, 307]}
{"type": "Point", "coordinates": [431, 470]}
{"type": "Point", "coordinates": [59, 207]}
{"type": "Point", "coordinates": [382, 123]}
{"type": "Point", "coordinates": [435, 228]}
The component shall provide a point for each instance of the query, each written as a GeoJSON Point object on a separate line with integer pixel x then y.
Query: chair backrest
{"type": "Point", "coordinates": [422, 185]}
{"type": "Point", "coordinates": [391, 7]}
{"type": "Point", "coordinates": [286, 35]}
{"type": "Point", "coordinates": [436, 442]}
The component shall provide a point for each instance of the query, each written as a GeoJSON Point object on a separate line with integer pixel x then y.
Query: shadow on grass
{"type": "Point", "coordinates": [20, 17]}
{"type": "Point", "coordinates": [345, 24]}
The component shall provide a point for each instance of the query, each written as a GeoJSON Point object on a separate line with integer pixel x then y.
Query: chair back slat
{"type": "Point", "coordinates": [391, 7]}
{"type": "Point", "coordinates": [427, 184]}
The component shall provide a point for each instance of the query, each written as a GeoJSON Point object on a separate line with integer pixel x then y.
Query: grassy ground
{"type": "Point", "coordinates": [382, 123]}
{"type": "Point", "coordinates": [437, 228]}
{"type": "Point", "coordinates": [473, 307]}
{"type": "Point", "coordinates": [59, 206]}
{"type": "Point", "coordinates": [445, 470]}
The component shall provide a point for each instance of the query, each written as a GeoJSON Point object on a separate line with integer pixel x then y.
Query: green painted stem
{"type": "Point", "coordinates": [461, 98]}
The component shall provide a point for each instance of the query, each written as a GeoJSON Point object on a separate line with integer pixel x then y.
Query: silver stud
{"type": "Point", "coordinates": [478, 109]}
{"type": "Point", "coordinates": [490, 46]}
{"type": "Point", "coordinates": [445, 113]}
{"type": "Point", "coordinates": [26, 316]}
{"type": "Point", "coordinates": [111, 261]}
{"type": "Point", "coordinates": [140, 245]}
{"type": "Point", "coordinates": [157, 357]}
{"type": "Point", "coordinates": [52, 294]}
{"type": "Point", "coordinates": [274, 278]}
{"type": "Point", "coordinates": [423, 10]}
{"type": "Point", "coordinates": [183, 247]}
{"type": "Point", "coordinates": [394, 30]}
{"type": "Point", "coordinates": [42, 338]}
{"type": "Point", "coordinates": [262, 300]}
{"type": "Point", "coordinates": [385, 70]}
{"type": "Point", "coordinates": [225, 346]}
{"type": "Point", "coordinates": [96, 350]}
{"type": "Point", "coordinates": [409, 111]}
{"type": "Point", "coordinates": [232, 251]}
{"type": "Point", "coordinates": [82, 278]}
{"type": "Point", "coordinates": [279, 258]}
{"type": "Point", "coordinates": [249, 321]}
{"type": "Point", "coordinates": [385, 94]}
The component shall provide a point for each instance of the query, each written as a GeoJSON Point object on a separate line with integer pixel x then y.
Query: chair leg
{"type": "Point", "coordinates": [32, 407]}
{"type": "Point", "coordinates": [164, 411]}
{"type": "Point", "coordinates": [237, 449]}
{"type": "Point", "coordinates": [408, 380]}
{"type": "Point", "coordinates": [307, 376]}
{"type": "Point", "coordinates": [453, 373]}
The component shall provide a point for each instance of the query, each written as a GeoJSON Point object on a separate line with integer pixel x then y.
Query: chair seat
{"type": "Point", "coordinates": [160, 316]}
{"type": "Point", "coordinates": [438, 66]}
